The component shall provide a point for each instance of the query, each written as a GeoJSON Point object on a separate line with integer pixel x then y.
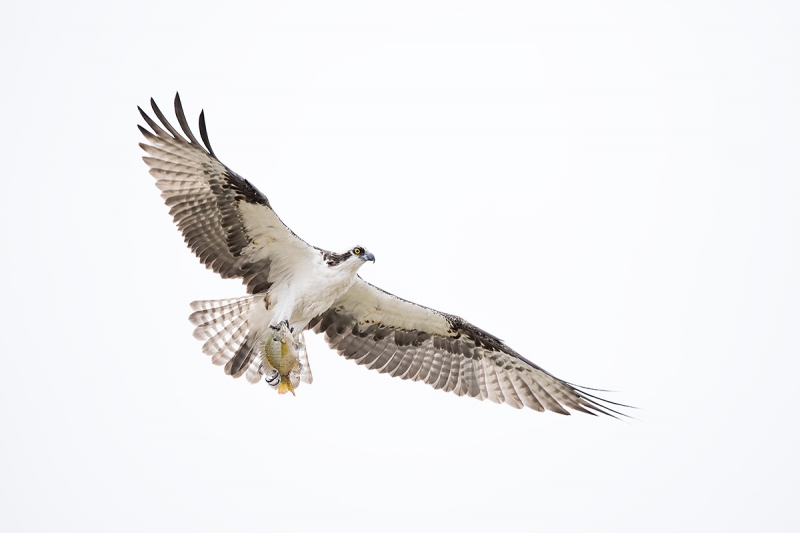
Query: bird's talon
{"type": "Point", "coordinates": [271, 380]}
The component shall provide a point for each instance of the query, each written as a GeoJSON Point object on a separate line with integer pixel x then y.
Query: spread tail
{"type": "Point", "coordinates": [230, 329]}
{"type": "Point", "coordinates": [225, 326]}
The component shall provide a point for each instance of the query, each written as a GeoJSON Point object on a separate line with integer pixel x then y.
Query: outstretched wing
{"type": "Point", "coordinates": [391, 335]}
{"type": "Point", "coordinates": [224, 219]}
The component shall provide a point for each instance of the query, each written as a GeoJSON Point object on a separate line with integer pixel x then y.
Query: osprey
{"type": "Point", "coordinates": [233, 229]}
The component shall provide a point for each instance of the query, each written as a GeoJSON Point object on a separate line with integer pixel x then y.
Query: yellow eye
{"type": "Point", "coordinates": [357, 251]}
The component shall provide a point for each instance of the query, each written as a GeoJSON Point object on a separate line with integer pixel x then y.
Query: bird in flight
{"type": "Point", "coordinates": [292, 285]}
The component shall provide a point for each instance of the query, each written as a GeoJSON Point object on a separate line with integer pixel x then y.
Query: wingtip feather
{"type": "Point", "coordinates": [204, 133]}
{"type": "Point", "coordinates": [179, 113]}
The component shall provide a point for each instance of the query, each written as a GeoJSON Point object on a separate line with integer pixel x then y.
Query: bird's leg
{"type": "Point", "coordinates": [277, 326]}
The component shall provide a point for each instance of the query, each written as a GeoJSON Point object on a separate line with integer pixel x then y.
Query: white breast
{"type": "Point", "coordinates": [299, 296]}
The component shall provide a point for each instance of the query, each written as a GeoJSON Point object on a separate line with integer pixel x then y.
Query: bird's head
{"type": "Point", "coordinates": [361, 253]}
{"type": "Point", "coordinates": [352, 259]}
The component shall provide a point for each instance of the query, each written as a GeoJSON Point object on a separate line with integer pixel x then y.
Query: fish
{"type": "Point", "coordinates": [280, 354]}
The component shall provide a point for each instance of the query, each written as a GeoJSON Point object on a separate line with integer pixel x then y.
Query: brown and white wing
{"type": "Point", "coordinates": [391, 335]}
{"type": "Point", "coordinates": [224, 219]}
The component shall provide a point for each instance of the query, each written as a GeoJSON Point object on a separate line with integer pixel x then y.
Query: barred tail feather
{"type": "Point", "coordinates": [305, 368]}
{"type": "Point", "coordinates": [224, 325]}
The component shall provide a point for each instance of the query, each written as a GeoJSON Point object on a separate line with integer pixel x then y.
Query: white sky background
{"type": "Point", "coordinates": [611, 188]}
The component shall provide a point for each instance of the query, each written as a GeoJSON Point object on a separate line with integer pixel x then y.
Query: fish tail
{"type": "Point", "coordinates": [285, 386]}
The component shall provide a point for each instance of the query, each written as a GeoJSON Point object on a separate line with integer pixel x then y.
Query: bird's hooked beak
{"type": "Point", "coordinates": [368, 257]}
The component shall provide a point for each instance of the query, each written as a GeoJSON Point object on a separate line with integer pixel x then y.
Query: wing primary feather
{"type": "Point", "coordinates": [148, 135]}
{"type": "Point", "coordinates": [583, 387]}
{"type": "Point", "coordinates": [594, 410]}
{"type": "Point", "coordinates": [152, 123]}
{"type": "Point", "coordinates": [204, 133]}
{"type": "Point", "coordinates": [593, 402]}
{"type": "Point", "coordinates": [165, 122]}
{"type": "Point", "coordinates": [582, 390]}
{"type": "Point", "coordinates": [520, 391]}
{"type": "Point", "coordinates": [545, 397]}
{"type": "Point", "coordinates": [182, 120]}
